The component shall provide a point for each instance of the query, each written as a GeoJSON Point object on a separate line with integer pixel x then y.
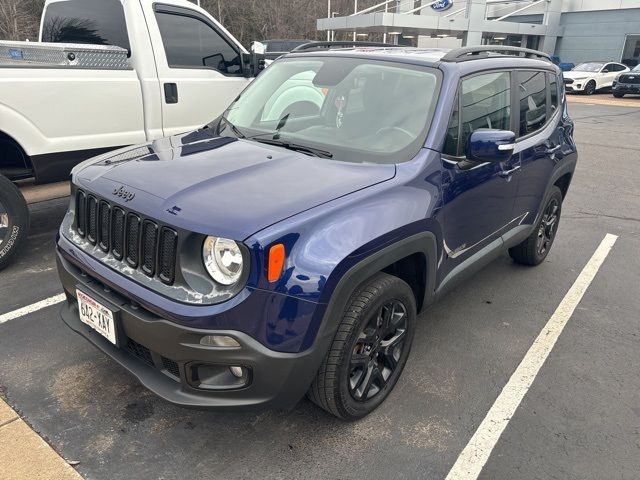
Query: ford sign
{"type": "Point", "coordinates": [442, 5]}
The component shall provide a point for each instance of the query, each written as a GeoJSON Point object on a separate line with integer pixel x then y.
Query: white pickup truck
{"type": "Point", "coordinates": [110, 73]}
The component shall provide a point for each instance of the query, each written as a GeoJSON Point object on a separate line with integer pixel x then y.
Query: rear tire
{"type": "Point", "coordinates": [369, 351]}
{"type": "Point", "coordinates": [14, 221]}
{"type": "Point", "coordinates": [536, 247]}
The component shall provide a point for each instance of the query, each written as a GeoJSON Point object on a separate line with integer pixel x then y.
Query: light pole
{"type": "Point", "coordinates": [328, 16]}
{"type": "Point", "coordinates": [355, 10]}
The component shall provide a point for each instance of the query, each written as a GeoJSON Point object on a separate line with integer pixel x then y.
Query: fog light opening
{"type": "Point", "coordinates": [223, 341]}
{"type": "Point", "coordinates": [208, 376]}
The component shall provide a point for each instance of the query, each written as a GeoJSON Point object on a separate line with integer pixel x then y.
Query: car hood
{"type": "Point", "coordinates": [220, 185]}
{"type": "Point", "coordinates": [575, 74]}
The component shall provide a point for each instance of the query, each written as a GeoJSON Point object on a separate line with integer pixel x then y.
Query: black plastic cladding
{"type": "Point", "coordinates": [148, 246]}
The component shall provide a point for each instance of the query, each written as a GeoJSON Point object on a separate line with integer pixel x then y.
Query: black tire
{"type": "Point", "coordinates": [590, 88]}
{"type": "Point", "coordinates": [536, 247]}
{"type": "Point", "coordinates": [367, 345]}
{"type": "Point", "coordinates": [14, 221]}
{"type": "Point", "coordinates": [618, 95]}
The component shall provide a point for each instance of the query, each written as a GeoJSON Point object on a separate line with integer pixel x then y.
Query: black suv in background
{"type": "Point", "coordinates": [628, 82]}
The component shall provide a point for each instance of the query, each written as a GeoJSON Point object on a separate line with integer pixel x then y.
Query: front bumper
{"type": "Point", "coordinates": [576, 86]}
{"type": "Point", "coordinates": [163, 354]}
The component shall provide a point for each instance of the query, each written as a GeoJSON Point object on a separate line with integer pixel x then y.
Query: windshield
{"type": "Point", "coordinates": [350, 109]}
{"type": "Point", "coordinates": [589, 67]}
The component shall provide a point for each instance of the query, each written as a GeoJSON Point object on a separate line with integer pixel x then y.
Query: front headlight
{"type": "Point", "coordinates": [222, 259]}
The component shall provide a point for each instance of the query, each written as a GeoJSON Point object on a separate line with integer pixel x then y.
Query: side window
{"type": "Point", "coordinates": [533, 101]}
{"type": "Point", "coordinates": [453, 131]}
{"type": "Point", "coordinates": [191, 43]}
{"type": "Point", "coordinates": [553, 90]}
{"type": "Point", "coordinates": [609, 67]}
{"type": "Point", "coordinates": [617, 67]}
{"type": "Point", "coordinates": [486, 103]}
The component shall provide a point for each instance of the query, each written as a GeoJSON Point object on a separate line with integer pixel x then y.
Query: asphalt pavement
{"type": "Point", "coordinates": [579, 420]}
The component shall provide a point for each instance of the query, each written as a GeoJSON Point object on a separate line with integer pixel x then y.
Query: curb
{"type": "Point", "coordinates": [25, 455]}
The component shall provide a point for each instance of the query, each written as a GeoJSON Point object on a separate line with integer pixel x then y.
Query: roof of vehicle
{"type": "Point", "coordinates": [491, 56]}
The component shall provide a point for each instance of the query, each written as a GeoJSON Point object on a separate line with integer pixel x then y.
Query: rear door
{"type": "Point", "coordinates": [478, 199]}
{"type": "Point", "coordinates": [198, 64]}
{"type": "Point", "coordinates": [540, 138]}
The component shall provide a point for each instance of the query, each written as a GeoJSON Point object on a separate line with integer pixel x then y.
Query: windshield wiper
{"type": "Point", "coordinates": [233, 128]}
{"type": "Point", "coordinates": [316, 152]}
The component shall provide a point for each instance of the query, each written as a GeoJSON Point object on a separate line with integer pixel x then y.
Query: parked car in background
{"type": "Point", "coordinates": [564, 66]}
{"type": "Point", "coordinates": [111, 73]}
{"type": "Point", "coordinates": [589, 77]}
{"type": "Point", "coordinates": [247, 263]}
{"type": "Point", "coordinates": [626, 83]}
{"type": "Point", "coordinates": [277, 48]}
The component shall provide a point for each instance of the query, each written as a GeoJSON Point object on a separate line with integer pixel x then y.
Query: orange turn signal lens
{"type": "Point", "coordinates": [276, 262]}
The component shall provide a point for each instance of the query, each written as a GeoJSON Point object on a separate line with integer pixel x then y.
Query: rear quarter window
{"type": "Point", "coordinates": [97, 22]}
{"type": "Point", "coordinates": [532, 91]}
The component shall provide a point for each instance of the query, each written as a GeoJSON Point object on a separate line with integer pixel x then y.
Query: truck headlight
{"type": "Point", "coordinates": [222, 259]}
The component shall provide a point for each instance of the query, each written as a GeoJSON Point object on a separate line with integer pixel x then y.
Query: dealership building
{"type": "Point", "coordinates": [575, 30]}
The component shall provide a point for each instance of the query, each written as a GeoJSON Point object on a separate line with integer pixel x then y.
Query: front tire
{"type": "Point", "coordinates": [369, 351]}
{"type": "Point", "coordinates": [618, 95]}
{"type": "Point", "coordinates": [590, 88]}
{"type": "Point", "coordinates": [536, 247]}
{"type": "Point", "coordinates": [14, 221]}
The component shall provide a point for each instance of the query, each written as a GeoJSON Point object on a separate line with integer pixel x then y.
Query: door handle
{"type": "Point", "coordinates": [171, 93]}
{"type": "Point", "coordinates": [508, 173]}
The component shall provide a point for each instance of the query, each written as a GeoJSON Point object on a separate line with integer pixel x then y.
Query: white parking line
{"type": "Point", "coordinates": [31, 308]}
{"type": "Point", "coordinates": [475, 455]}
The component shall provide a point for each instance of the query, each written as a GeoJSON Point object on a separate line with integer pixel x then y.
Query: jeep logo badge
{"type": "Point", "coordinates": [124, 194]}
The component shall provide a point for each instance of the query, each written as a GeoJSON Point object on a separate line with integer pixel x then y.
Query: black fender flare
{"type": "Point", "coordinates": [423, 242]}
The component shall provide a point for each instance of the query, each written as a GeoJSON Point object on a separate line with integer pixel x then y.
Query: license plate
{"type": "Point", "coordinates": [97, 316]}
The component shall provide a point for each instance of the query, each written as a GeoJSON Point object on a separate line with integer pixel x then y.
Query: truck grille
{"type": "Point", "coordinates": [629, 79]}
{"type": "Point", "coordinates": [127, 237]}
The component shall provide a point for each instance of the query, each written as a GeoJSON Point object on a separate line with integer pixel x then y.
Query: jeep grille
{"type": "Point", "coordinates": [127, 237]}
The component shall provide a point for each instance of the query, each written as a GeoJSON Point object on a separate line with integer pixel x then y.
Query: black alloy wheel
{"type": "Point", "coordinates": [377, 350]}
{"type": "Point", "coordinates": [590, 88]}
{"type": "Point", "coordinates": [535, 248]}
{"type": "Point", "coordinates": [369, 350]}
{"type": "Point", "coordinates": [548, 227]}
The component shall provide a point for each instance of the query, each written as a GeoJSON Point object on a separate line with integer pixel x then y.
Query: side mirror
{"type": "Point", "coordinates": [253, 63]}
{"type": "Point", "coordinates": [606, 70]}
{"type": "Point", "coordinates": [485, 145]}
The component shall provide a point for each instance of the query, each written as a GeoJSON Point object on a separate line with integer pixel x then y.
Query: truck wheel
{"type": "Point", "coordinates": [369, 350]}
{"type": "Point", "coordinates": [536, 247]}
{"type": "Point", "coordinates": [618, 95]}
{"type": "Point", "coordinates": [590, 88]}
{"type": "Point", "coordinates": [14, 221]}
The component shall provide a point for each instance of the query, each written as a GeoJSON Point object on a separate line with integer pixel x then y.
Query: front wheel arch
{"type": "Point", "coordinates": [423, 243]}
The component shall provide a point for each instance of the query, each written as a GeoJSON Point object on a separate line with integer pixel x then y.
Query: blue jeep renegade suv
{"type": "Point", "coordinates": [287, 247]}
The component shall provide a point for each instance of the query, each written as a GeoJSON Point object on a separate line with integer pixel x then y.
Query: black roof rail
{"type": "Point", "coordinates": [340, 44]}
{"type": "Point", "coordinates": [472, 53]}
